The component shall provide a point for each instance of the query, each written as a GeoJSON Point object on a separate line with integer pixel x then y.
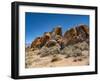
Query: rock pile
{"type": "Point", "coordinates": [74, 35]}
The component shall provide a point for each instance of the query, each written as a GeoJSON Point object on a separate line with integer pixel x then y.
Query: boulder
{"type": "Point", "coordinates": [48, 34]}
{"type": "Point", "coordinates": [81, 29]}
{"type": "Point", "coordinates": [70, 36]}
{"type": "Point", "coordinates": [44, 40]}
{"type": "Point", "coordinates": [56, 31]}
{"type": "Point", "coordinates": [77, 34]}
{"type": "Point", "coordinates": [40, 41]}
{"type": "Point", "coordinates": [36, 43]}
{"type": "Point", "coordinates": [51, 43]}
{"type": "Point", "coordinates": [82, 32]}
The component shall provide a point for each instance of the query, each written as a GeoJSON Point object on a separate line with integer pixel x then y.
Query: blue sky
{"type": "Point", "coordinates": [38, 23]}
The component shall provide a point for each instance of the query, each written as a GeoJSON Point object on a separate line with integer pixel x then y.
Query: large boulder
{"type": "Point", "coordinates": [36, 43]}
{"type": "Point", "coordinates": [81, 29]}
{"type": "Point", "coordinates": [56, 31]}
{"type": "Point", "coordinates": [51, 43]}
{"type": "Point", "coordinates": [45, 39]}
{"type": "Point", "coordinates": [77, 34]}
{"type": "Point", "coordinates": [41, 41]}
{"type": "Point", "coordinates": [70, 36]}
{"type": "Point", "coordinates": [48, 34]}
{"type": "Point", "coordinates": [82, 32]}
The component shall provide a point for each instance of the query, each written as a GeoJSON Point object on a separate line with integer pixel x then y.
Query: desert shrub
{"type": "Point", "coordinates": [85, 53]}
{"type": "Point", "coordinates": [68, 51]}
{"type": "Point", "coordinates": [82, 45]}
{"type": "Point", "coordinates": [67, 56]}
{"type": "Point", "coordinates": [55, 58]}
{"type": "Point", "coordinates": [75, 60]}
{"type": "Point", "coordinates": [77, 52]}
{"type": "Point", "coordinates": [45, 51]}
{"type": "Point", "coordinates": [28, 63]}
{"type": "Point", "coordinates": [71, 51]}
{"type": "Point", "coordinates": [80, 59]}
{"type": "Point", "coordinates": [54, 50]}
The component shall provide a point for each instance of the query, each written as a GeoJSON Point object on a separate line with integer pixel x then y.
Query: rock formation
{"type": "Point", "coordinates": [56, 32]}
{"type": "Point", "coordinates": [36, 43]}
{"type": "Point", "coordinates": [74, 35]}
{"type": "Point", "coordinates": [41, 41]}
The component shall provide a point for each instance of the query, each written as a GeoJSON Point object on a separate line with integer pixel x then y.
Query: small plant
{"type": "Point", "coordinates": [55, 59]}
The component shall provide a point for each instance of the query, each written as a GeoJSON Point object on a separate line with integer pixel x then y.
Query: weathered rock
{"type": "Point", "coordinates": [56, 31]}
{"type": "Point", "coordinates": [44, 51]}
{"type": "Point", "coordinates": [40, 41]}
{"type": "Point", "coordinates": [57, 37]}
{"type": "Point", "coordinates": [44, 39]}
{"type": "Point", "coordinates": [54, 50]}
{"type": "Point", "coordinates": [47, 34]}
{"type": "Point", "coordinates": [36, 43]}
{"type": "Point", "coordinates": [82, 32]}
{"type": "Point", "coordinates": [76, 34]}
{"type": "Point", "coordinates": [51, 43]}
{"type": "Point", "coordinates": [72, 36]}
{"type": "Point", "coordinates": [82, 29]}
{"type": "Point", "coordinates": [61, 42]}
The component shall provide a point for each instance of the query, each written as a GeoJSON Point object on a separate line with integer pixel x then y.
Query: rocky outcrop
{"type": "Point", "coordinates": [77, 34]}
{"type": "Point", "coordinates": [74, 35]}
{"type": "Point", "coordinates": [41, 41]}
{"type": "Point", "coordinates": [56, 32]}
{"type": "Point", "coordinates": [36, 43]}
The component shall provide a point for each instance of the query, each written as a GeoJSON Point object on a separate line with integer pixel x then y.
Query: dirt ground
{"type": "Point", "coordinates": [33, 60]}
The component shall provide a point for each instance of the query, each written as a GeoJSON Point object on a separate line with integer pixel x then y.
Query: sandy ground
{"type": "Point", "coordinates": [33, 60]}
